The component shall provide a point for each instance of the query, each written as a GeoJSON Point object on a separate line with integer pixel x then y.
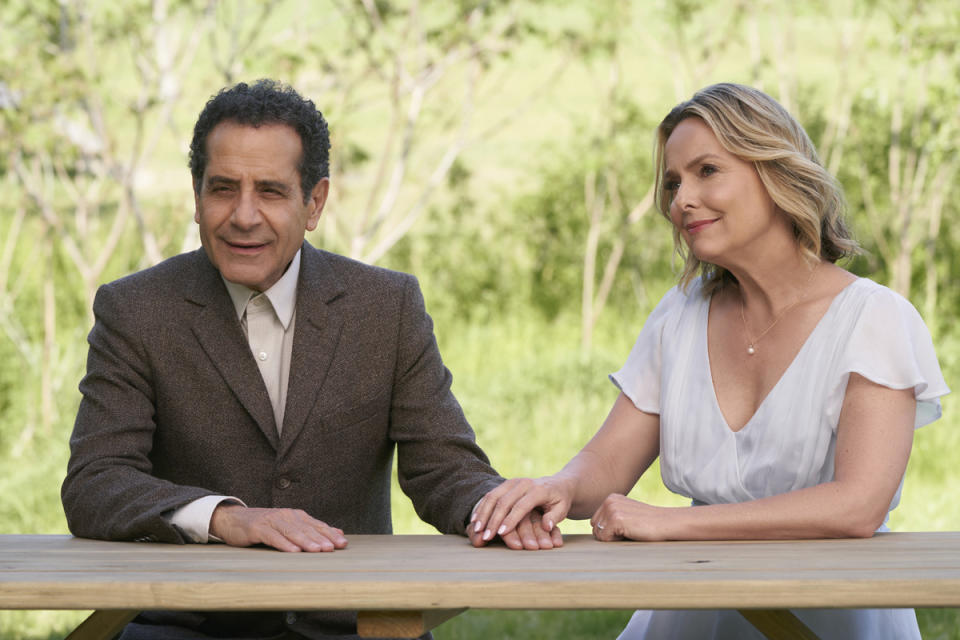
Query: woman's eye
{"type": "Point", "coordinates": [707, 170]}
{"type": "Point", "coordinates": [671, 186]}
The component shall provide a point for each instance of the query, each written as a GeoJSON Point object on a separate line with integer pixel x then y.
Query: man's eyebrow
{"type": "Point", "coordinates": [222, 180]}
{"type": "Point", "coordinates": [277, 185]}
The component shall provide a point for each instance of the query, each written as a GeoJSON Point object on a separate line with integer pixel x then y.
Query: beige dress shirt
{"type": "Point", "coordinates": [268, 320]}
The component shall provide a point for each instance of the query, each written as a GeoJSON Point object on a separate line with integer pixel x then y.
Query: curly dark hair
{"type": "Point", "coordinates": [266, 102]}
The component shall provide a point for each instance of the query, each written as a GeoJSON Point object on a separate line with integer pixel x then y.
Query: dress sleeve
{"type": "Point", "coordinates": [891, 346]}
{"type": "Point", "coordinates": [639, 378]}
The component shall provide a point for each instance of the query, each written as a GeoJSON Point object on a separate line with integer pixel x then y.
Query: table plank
{"type": "Point", "coordinates": [778, 624]}
{"type": "Point", "coordinates": [102, 625]}
{"type": "Point", "coordinates": [401, 624]}
{"type": "Point", "coordinates": [444, 572]}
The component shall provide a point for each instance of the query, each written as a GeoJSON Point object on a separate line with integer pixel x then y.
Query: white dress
{"type": "Point", "coordinates": [788, 443]}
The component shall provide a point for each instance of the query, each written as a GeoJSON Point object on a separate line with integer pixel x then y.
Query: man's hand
{"type": "Point", "coordinates": [283, 529]}
{"type": "Point", "coordinates": [529, 534]}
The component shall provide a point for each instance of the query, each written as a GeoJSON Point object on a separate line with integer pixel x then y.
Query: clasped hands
{"type": "Point", "coordinates": [544, 502]}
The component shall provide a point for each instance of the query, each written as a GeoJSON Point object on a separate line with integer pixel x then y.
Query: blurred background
{"type": "Point", "coordinates": [499, 150]}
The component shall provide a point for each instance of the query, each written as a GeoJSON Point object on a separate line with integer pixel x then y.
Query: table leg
{"type": "Point", "coordinates": [401, 624]}
{"type": "Point", "coordinates": [102, 625]}
{"type": "Point", "coordinates": [778, 624]}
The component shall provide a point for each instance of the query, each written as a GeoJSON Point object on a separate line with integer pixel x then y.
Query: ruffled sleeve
{"type": "Point", "coordinates": [639, 378]}
{"type": "Point", "coordinates": [891, 346]}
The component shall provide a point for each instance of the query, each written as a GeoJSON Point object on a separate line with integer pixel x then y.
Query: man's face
{"type": "Point", "coordinates": [250, 206]}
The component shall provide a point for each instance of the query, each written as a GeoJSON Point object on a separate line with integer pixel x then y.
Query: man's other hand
{"type": "Point", "coordinates": [283, 529]}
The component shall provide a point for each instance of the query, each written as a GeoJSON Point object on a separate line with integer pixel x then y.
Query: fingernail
{"type": "Point", "coordinates": [487, 534]}
{"type": "Point", "coordinates": [549, 525]}
{"type": "Point", "coordinates": [502, 528]}
{"type": "Point", "coordinates": [477, 527]}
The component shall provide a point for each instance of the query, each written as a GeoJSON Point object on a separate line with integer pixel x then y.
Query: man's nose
{"type": "Point", "coordinates": [247, 212]}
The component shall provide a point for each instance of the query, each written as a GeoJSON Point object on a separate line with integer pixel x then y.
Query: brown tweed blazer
{"type": "Point", "coordinates": [174, 408]}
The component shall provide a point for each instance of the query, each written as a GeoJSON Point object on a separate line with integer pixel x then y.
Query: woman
{"type": "Point", "coordinates": [779, 390]}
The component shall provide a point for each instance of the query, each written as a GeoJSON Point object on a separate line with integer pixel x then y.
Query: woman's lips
{"type": "Point", "coordinates": [699, 225]}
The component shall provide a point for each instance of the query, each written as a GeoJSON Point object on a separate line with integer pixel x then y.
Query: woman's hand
{"type": "Point", "coordinates": [620, 518]}
{"type": "Point", "coordinates": [528, 535]}
{"type": "Point", "coordinates": [502, 510]}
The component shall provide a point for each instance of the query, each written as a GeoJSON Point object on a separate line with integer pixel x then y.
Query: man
{"type": "Point", "coordinates": [253, 392]}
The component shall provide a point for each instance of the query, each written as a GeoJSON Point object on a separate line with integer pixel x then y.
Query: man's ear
{"type": "Point", "coordinates": [318, 198]}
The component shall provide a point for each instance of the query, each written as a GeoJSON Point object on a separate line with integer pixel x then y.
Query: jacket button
{"type": "Point", "coordinates": [283, 483]}
{"type": "Point", "coordinates": [291, 617]}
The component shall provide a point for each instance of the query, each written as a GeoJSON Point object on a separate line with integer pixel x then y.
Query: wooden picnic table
{"type": "Point", "coordinates": [404, 585]}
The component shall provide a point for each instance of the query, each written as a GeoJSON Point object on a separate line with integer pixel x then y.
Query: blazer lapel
{"type": "Point", "coordinates": [315, 339]}
{"type": "Point", "coordinates": [220, 335]}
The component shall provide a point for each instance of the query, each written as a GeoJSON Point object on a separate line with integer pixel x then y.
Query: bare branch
{"type": "Point", "coordinates": [12, 235]}
{"type": "Point", "coordinates": [439, 172]}
{"type": "Point", "coordinates": [876, 225]}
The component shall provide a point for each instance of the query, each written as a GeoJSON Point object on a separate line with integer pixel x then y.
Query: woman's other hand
{"type": "Point", "coordinates": [620, 518]}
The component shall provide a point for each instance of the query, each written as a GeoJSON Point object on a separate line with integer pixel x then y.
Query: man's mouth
{"type": "Point", "coordinates": [245, 246]}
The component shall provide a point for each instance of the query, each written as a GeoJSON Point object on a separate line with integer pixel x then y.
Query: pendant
{"type": "Point", "coordinates": [750, 349]}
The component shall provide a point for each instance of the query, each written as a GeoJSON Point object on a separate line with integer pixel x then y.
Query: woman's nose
{"type": "Point", "coordinates": [684, 196]}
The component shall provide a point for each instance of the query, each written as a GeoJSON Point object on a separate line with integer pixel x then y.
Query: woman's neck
{"type": "Point", "coordinates": [767, 287]}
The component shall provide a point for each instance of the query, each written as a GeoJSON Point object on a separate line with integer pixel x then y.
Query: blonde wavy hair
{"type": "Point", "coordinates": [756, 128]}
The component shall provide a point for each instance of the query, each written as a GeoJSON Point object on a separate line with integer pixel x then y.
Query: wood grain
{"type": "Point", "coordinates": [101, 625]}
{"type": "Point", "coordinates": [778, 624]}
{"type": "Point", "coordinates": [401, 624]}
{"type": "Point", "coordinates": [445, 572]}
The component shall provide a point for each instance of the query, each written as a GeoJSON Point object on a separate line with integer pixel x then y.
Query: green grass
{"type": "Point", "coordinates": [505, 625]}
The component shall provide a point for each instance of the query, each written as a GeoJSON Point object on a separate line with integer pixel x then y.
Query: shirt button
{"type": "Point", "coordinates": [291, 617]}
{"type": "Point", "coordinates": [262, 355]}
{"type": "Point", "coordinates": [284, 483]}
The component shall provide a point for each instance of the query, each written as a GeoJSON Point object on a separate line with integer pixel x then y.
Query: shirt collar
{"type": "Point", "coordinates": [282, 295]}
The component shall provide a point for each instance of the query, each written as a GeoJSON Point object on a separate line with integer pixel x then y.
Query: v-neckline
{"type": "Point", "coordinates": [783, 374]}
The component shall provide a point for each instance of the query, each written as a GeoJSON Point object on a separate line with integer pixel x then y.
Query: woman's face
{"type": "Point", "coordinates": [717, 201]}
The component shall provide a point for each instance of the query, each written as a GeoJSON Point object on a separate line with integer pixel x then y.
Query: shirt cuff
{"type": "Point", "coordinates": [193, 519]}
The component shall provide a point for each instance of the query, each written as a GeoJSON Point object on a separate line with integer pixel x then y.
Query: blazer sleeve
{"type": "Point", "coordinates": [109, 491]}
{"type": "Point", "coordinates": [440, 466]}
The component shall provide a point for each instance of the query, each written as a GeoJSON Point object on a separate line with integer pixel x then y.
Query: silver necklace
{"type": "Point", "coordinates": [752, 342]}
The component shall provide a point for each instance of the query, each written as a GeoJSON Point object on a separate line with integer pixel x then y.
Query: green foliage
{"type": "Point", "coordinates": [614, 155]}
{"type": "Point", "coordinates": [467, 254]}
